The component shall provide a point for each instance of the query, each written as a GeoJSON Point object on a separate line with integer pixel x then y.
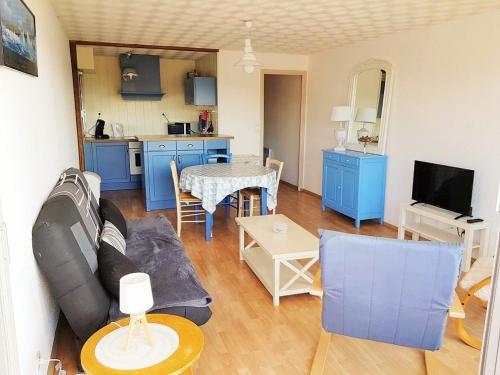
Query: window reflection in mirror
{"type": "Point", "coordinates": [370, 88]}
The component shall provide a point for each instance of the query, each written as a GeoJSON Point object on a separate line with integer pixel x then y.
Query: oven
{"type": "Point", "coordinates": [134, 153]}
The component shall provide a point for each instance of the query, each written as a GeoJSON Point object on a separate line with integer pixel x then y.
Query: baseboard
{"type": "Point", "coordinates": [311, 193]}
{"type": "Point", "coordinates": [295, 187]}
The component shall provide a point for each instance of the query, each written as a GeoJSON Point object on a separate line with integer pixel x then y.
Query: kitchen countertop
{"type": "Point", "coordinates": [181, 137]}
{"type": "Point", "coordinates": [111, 139]}
{"type": "Point", "coordinates": [166, 137]}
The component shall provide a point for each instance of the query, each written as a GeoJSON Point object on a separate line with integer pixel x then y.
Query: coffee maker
{"type": "Point", "coordinates": [99, 130]}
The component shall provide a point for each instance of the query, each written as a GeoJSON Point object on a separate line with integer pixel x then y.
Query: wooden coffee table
{"type": "Point", "coordinates": [273, 257]}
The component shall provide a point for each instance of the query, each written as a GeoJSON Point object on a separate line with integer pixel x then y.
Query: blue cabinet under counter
{"type": "Point", "coordinates": [159, 192]}
{"type": "Point", "coordinates": [354, 184]}
{"type": "Point", "coordinates": [111, 161]}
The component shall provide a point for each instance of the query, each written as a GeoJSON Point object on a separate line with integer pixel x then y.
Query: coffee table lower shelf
{"type": "Point", "coordinates": [275, 275]}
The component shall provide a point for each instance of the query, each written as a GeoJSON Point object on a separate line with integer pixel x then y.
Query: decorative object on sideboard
{"type": "Point", "coordinates": [136, 298]}
{"type": "Point", "coordinates": [18, 37]}
{"type": "Point", "coordinates": [341, 114]}
{"type": "Point", "coordinates": [248, 60]}
{"type": "Point", "coordinates": [365, 115]}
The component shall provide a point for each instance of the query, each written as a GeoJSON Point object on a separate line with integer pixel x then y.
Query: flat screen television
{"type": "Point", "coordinates": [443, 186]}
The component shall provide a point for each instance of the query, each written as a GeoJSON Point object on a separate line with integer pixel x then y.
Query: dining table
{"type": "Point", "coordinates": [214, 183]}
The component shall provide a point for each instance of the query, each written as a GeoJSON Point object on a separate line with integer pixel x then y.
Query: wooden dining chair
{"type": "Point", "coordinates": [392, 291]}
{"type": "Point", "coordinates": [185, 200]}
{"type": "Point", "coordinates": [249, 198]}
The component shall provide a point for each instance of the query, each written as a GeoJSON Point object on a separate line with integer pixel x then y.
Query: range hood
{"type": "Point", "coordinates": [146, 84]}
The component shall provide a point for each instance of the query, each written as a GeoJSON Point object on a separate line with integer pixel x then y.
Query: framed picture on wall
{"type": "Point", "coordinates": [18, 37]}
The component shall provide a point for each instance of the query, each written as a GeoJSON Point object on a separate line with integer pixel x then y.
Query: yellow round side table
{"type": "Point", "coordinates": [191, 343]}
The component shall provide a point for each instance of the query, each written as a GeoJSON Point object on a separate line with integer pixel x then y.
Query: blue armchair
{"type": "Point", "coordinates": [392, 291]}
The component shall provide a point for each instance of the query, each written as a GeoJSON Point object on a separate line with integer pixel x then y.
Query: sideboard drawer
{"type": "Point", "coordinates": [159, 146]}
{"type": "Point", "coordinates": [349, 160]}
{"type": "Point", "coordinates": [331, 156]}
{"type": "Point", "coordinates": [189, 145]}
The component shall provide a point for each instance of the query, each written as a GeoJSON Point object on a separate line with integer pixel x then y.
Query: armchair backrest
{"type": "Point", "coordinates": [388, 290]}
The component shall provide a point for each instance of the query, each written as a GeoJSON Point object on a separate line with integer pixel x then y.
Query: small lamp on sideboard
{"type": "Point", "coordinates": [341, 114]}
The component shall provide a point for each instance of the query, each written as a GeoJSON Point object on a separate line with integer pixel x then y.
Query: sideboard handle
{"type": "Point", "coordinates": [161, 146]}
{"type": "Point", "coordinates": [190, 145]}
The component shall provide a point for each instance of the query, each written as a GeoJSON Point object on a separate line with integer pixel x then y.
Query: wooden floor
{"type": "Point", "coordinates": [248, 335]}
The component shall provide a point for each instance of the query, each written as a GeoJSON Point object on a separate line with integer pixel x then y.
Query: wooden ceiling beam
{"type": "Point", "coordinates": [142, 46]}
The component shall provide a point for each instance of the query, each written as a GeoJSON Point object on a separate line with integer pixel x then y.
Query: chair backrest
{"type": "Point", "coordinates": [214, 158]}
{"type": "Point", "coordinates": [175, 179]}
{"type": "Point", "coordinates": [388, 290]}
{"type": "Point", "coordinates": [277, 165]}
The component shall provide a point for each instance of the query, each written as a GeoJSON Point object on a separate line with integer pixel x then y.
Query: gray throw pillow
{"type": "Point", "coordinates": [111, 235]}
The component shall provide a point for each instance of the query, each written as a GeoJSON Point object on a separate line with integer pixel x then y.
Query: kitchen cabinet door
{"type": "Point", "coordinates": [189, 158]}
{"type": "Point", "coordinates": [159, 176]}
{"type": "Point", "coordinates": [200, 91]}
{"type": "Point", "coordinates": [111, 162]}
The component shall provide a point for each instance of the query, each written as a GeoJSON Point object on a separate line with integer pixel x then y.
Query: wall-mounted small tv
{"type": "Point", "coordinates": [443, 186]}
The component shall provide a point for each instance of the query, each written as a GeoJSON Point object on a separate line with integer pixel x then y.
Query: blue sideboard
{"type": "Point", "coordinates": [157, 181]}
{"type": "Point", "coordinates": [354, 184]}
{"type": "Point", "coordinates": [110, 160]}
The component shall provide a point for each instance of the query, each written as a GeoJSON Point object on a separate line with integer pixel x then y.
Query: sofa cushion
{"type": "Point", "coordinates": [111, 235]}
{"type": "Point", "coordinates": [111, 213]}
{"type": "Point", "coordinates": [112, 265]}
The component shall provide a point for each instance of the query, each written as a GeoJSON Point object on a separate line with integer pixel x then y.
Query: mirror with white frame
{"type": "Point", "coordinates": [369, 98]}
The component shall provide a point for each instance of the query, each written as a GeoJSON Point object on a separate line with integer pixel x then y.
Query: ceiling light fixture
{"type": "Point", "coordinates": [248, 61]}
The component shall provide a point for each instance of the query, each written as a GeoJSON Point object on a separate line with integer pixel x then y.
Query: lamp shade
{"type": "Point", "coordinates": [136, 296]}
{"type": "Point", "coordinates": [366, 115]}
{"type": "Point", "coordinates": [341, 113]}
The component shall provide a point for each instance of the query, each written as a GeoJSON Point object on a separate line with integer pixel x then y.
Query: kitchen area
{"type": "Point", "coordinates": [142, 108]}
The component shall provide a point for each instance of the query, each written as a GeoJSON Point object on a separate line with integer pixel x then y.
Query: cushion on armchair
{"type": "Point", "coordinates": [388, 290]}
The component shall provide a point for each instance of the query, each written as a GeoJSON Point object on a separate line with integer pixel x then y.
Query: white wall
{"type": "Point", "coordinates": [101, 92]}
{"type": "Point", "coordinates": [444, 109]}
{"type": "Point", "coordinates": [282, 111]}
{"type": "Point", "coordinates": [239, 96]}
{"type": "Point", "coordinates": [38, 141]}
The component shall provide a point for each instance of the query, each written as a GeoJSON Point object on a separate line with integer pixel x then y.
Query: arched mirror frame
{"type": "Point", "coordinates": [386, 104]}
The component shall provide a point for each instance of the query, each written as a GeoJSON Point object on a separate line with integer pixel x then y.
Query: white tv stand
{"type": "Point", "coordinates": [419, 220]}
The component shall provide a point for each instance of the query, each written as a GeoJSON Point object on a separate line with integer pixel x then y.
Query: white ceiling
{"type": "Point", "coordinates": [292, 26]}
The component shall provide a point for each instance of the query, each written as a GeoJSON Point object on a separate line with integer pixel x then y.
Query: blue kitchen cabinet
{"type": "Point", "coordinates": [200, 91]}
{"type": "Point", "coordinates": [160, 191]}
{"type": "Point", "coordinates": [189, 158]}
{"type": "Point", "coordinates": [157, 182]}
{"type": "Point", "coordinates": [354, 184]}
{"type": "Point", "coordinates": [110, 160]}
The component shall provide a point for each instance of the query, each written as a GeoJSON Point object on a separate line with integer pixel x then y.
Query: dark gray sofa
{"type": "Point", "coordinates": [65, 240]}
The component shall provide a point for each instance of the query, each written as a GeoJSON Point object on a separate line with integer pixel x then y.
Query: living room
{"type": "Point", "coordinates": [439, 108]}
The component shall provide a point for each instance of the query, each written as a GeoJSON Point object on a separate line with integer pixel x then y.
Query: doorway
{"type": "Point", "coordinates": [283, 96]}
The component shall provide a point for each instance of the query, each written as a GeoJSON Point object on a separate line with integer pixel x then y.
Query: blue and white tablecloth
{"type": "Point", "coordinates": [213, 182]}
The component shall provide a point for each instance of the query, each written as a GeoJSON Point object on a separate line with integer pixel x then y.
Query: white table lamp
{"type": "Point", "coordinates": [365, 115]}
{"type": "Point", "coordinates": [136, 298]}
{"type": "Point", "coordinates": [340, 114]}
